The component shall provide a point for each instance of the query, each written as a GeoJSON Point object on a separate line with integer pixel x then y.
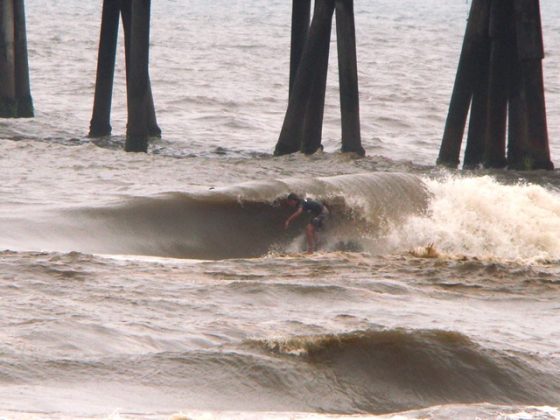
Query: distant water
{"type": "Point", "coordinates": [163, 285]}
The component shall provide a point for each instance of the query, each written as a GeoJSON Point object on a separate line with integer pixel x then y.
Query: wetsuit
{"type": "Point", "coordinates": [317, 210]}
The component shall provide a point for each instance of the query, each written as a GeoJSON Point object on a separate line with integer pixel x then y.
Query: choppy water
{"type": "Point", "coordinates": [163, 285]}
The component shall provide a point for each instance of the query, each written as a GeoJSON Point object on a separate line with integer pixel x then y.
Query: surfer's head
{"type": "Point", "coordinates": [293, 199]}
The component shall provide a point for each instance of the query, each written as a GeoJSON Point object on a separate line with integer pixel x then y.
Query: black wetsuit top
{"type": "Point", "coordinates": [312, 206]}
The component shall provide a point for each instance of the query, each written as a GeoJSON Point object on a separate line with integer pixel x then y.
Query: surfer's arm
{"type": "Point", "coordinates": [293, 216]}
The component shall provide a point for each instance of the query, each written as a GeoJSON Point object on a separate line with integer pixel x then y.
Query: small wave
{"type": "Point", "coordinates": [391, 370]}
{"type": "Point", "coordinates": [358, 372]}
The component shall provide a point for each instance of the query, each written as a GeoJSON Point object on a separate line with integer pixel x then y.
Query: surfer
{"type": "Point", "coordinates": [318, 212]}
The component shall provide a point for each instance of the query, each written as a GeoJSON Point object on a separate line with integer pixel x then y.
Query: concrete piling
{"type": "Point", "coordinates": [313, 119]}
{"type": "Point", "coordinates": [302, 127]}
{"type": "Point", "coordinates": [142, 122]}
{"type": "Point", "coordinates": [137, 80]}
{"type": "Point", "coordinates": [476, 137]}
{"type": "Point", "coordinates": [15, 92]}
{"type": "Point", "coordinates": [100, 124]}
{"type": "Point", "coordinates": [301, 14]}
{"type": "Point", "coordinates": [348, 76]}
{"type": "Point", "coordinates": [501, 60]}
{"type": "Point", "coordinates": [472, 53]}
{"type": "Point", "coordinates": [518, 135]}
{"type": "Point", "coordinates": [501, 80]}
{"type": "Point", "coordinates": [8, 106]}
{"type": "Point", "coordinates": [23, 88]}
{"type": "Point", "coordinates": [305, 82]}
{"type": "Point", "coordinates": [530, 50]}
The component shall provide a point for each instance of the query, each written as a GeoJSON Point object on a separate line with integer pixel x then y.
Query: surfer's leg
{"type": "Point", "coordinates": [315, 226]}
{"type": "Point", "coordinates": [310, 235]}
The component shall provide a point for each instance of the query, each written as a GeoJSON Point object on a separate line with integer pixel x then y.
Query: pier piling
{"type": "Point", "coordinates": [501, 60]}
{"type": "Point", "coordinates": [301, 14]}
{"type": "Point", "coordinates": [306, 83]}
{"type": "Point", "coordinates": [8, 107]}
{"type": "Point", "coordinates": [530, 49]}
{"type": "Point", "coordinates": [101, 119]}
{"type": "Point", "coordinates": [472, 54]}
{"type": "Point", "coordinates": [303, 122]}
{"type": "Point", "coordinates": [500, 79]}
{"type": "Point", "coordinates": [476, 137]}
{"type": "Point", "coordinates": [23, 89]}
{"type": "Point", "coordinates": [142, 122]}
{"type": "Point", "coordinates": [15, 92]}
{"type": "Point", "coordinates": [137, 70]}
{"type": "Point", "coordinates": [313, 118]}
{"type": "Point", "coordinates": [348, 76]}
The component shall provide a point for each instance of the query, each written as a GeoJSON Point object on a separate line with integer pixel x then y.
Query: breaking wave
{"type": "Point", "coordinates": [239, 221]}
{"type": "Point", "coordinates": [475, 217]}
{"type": "Point", "coordinates": [484, 218]}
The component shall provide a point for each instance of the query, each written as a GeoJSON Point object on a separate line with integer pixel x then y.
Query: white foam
{"type": "Point", "coordinates": [478, 216]}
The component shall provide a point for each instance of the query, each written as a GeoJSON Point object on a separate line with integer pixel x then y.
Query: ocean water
{"type": "Point", "coordinates": [164, 286]}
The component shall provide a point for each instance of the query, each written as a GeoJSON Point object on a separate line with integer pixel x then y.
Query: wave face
{"type": "Point", "coordinates": [380, 213]}
{"type": "Point", "coordinates": [245, 220]}
{"type": "Point", "coordinates": [398, 369]}
{"type": "Point", "coordinates": [371, 371]}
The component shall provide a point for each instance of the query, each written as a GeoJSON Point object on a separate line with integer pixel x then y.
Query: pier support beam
{"type": "Point", "coordinates": [534, 152]}
{"type": "Point", "coordinates": [101, 119]}
{"type": "Point", "coordinates": [23, 89]}
{"type": "Point", "coordinates": [15, 92]}
{"type": "Point", "coordinates": [301, 14]}
{"type": "Point", "coordinates": [472, 55]}
{"type": "Point", "coordinates": [127, 11]}
{"type": "Point", "coordinates": [501, 76]}
{"type": "Point", "coordinates": [476, 137]}
{"type": "Point", "coordinates": [8, 106]}
{"type": "Point", "coordinates": [303, 122]}
{"type": "Point", "coordinates": [142, 122]}
{"type": "Point", "coordinates": [348, 75]}
{"type": "Point", "coordinates": [307, 83]}
{"type": "Point", "coordinates": [141, 111]}
{"type": "Point", "coordinates": [315, 110]}
{"type": "Point", "coordinates": [501, 61]}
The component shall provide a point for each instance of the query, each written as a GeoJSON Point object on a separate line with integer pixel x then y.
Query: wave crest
{"type": "Point", "coordinates": [398, 369]}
